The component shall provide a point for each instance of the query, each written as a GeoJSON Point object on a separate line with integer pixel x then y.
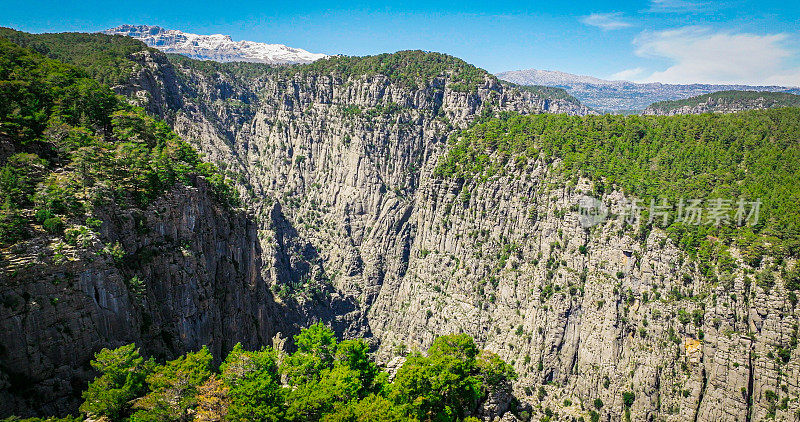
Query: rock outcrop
{"type": "Point", "coordinates": [350, 161]}
{"type": "Point", "coordinates": [353, 228]}
{"type": "Point", "coordinates": [183, 273]}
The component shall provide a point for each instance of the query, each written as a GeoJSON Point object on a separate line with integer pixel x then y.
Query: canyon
{"type": "Point", "coordinates": [346, 222]}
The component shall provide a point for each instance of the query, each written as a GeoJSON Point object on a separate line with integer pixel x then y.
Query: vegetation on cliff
{"type": "Point", "coordinates": [752, 155]}
{"type": "Point", "coordinates": [740, 99]}
{"type": "Point", "coordinates": [105, 58]}
{"type": "Point", "coordinates": [70, 145]}
{"type": "Point", "coordinates": [549, 92]}
{"type": "Point", "coordinates": [324, 380]}
{"type": "Point", "coordinates": [410, 68]}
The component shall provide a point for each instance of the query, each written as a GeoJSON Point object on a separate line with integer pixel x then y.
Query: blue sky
{"type": "Point", "coordinates": [744, 41]}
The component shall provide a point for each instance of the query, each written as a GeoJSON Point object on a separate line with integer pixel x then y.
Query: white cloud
{"type": "Point", "coordinates": [675, 6]}
{"type": "Point", "coordinates": [700, 55]}
{"type": "Point", "coordinates": [627, 74]}
{"type": "Point", "coordinates": [606, 21]}
{"type": "Point", "coordinates": [787, 78]}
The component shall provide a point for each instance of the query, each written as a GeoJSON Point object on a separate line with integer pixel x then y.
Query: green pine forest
{"type": "Point", "coordinates": [748, 155]}
{"type": "Point", "coordinates": [770, 99]}
{"type": "Point", "coordinates": [324, 380]}
{"type": "Point", "coordinates": [76, 147]}
{"type": "Point", "coordinates": [106, 59]}
{"type": "Point", "coordinates": [102, 57]}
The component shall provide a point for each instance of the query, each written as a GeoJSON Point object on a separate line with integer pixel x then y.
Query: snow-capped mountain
{"type": "Point", "coordinates": [215, 47]}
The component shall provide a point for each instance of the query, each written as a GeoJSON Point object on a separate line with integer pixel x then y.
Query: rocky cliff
{"type": "Point", "coordinates": [339, 158]}
{"type": "Point", "coordinates": [584, 315]}
{"type": "Point", "coordinates": [354, 228]}
{"type": "Point", "coordinates": [183, 273]}
{"type": "Point", "coordinates": [724, 102]}
{"type": "Point", "coordinates": [187, 271]}
{"type": "Point", "coordinates": [588, 314]}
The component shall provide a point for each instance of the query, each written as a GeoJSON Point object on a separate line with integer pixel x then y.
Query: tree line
{"type": "Point", "coordinates": [752, 155]}
{"type": "Point", "coordinates": [70, 145]}
{"type": "Point", "coordinates": [323, 380]}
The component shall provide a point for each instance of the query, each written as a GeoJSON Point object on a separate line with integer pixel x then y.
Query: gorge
{"type": "Point", "coordinates": [362, 207]}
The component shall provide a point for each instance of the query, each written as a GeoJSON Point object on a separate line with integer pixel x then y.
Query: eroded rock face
{"type": "Point", "coordinates": [408, 256]}
{"type": "Point", "coordinates": [198, 264]}
{"type": "Point", "coordinates": [505, 265]}
{"type": "Point", "coordinates": [496, 404]}
{"type": "Point", "coordinates": [353, 228]}
{"type": "Point", "coordinates": [341, 158]}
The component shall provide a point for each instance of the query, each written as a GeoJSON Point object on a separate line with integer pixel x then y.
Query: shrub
{"type": "Point", "coordinates": [18, 178]}
{"type": "Point", "coordinates": [43, 214]}
{"type": "Point", "coordinates": [683, 316]}
{"type": "Point", "coordinates": [77, 235]}
{"type": "Point", "coordinates": [12, 228]}
{"type": "Point", "coordinates": [53, 225]}
{"type": "Point", "coordinates": [765, 280]}
{"type": "Point", "coordinates": [116, 252]}
{"type": "Point", "coordinates": [627, 398]}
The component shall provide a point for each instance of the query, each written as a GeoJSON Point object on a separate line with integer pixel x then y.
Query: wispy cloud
{"type": "Point", "coordinates": [606, 21]}
{"type": "Point", "coordinates": [702, 55]}
{"type": "Point", "coordinates": [675, 6]}
{"type": "Point", "coordinates": [627, 74]}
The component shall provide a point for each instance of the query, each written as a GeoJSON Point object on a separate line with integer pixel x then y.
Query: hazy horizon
{"type": "Point", "coordinates": [667, 41]}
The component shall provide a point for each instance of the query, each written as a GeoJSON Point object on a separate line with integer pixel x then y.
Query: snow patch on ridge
{"type": "Point", "coordinates": [217, 47]}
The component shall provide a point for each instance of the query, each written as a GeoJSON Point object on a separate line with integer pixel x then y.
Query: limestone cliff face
{"type": "Point", "coordinates": [357, 231]}
{"type": "Point", "coordinates": [330, 165]}
{"type": "Point", "coordinates": [506, 263]}
{"type": "Point", "coordinates": [353, 228]}
{"type": "Point", "coordinates": [184, 273]}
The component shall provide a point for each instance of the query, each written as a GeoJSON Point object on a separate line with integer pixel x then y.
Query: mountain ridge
{"type": "Point", "coordinates": [400, 197]}
{"type": "Point", "coordinates": [623, 96]}
{"type": "Point", "coordinates": [724, 102]}
{"type": "Point", "coordinates": [217, 47]}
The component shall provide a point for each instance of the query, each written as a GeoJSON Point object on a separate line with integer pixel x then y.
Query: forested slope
{"type": "Point", "coordinates": [724, 102]}
{"type": "Point", "coordinates": [111, 227]}
{"type": "Point", "coordinates": [399, 198]}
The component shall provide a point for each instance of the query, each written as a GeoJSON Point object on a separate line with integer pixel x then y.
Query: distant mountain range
{"type": "Point", "coordinates": [724, 102]}
{"type": "Point", "coordinates": [623, 96]}
{"type": "Point", "coordinates": [599, 94]}
{"type": "Point", "coordinates": [215, 47]}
